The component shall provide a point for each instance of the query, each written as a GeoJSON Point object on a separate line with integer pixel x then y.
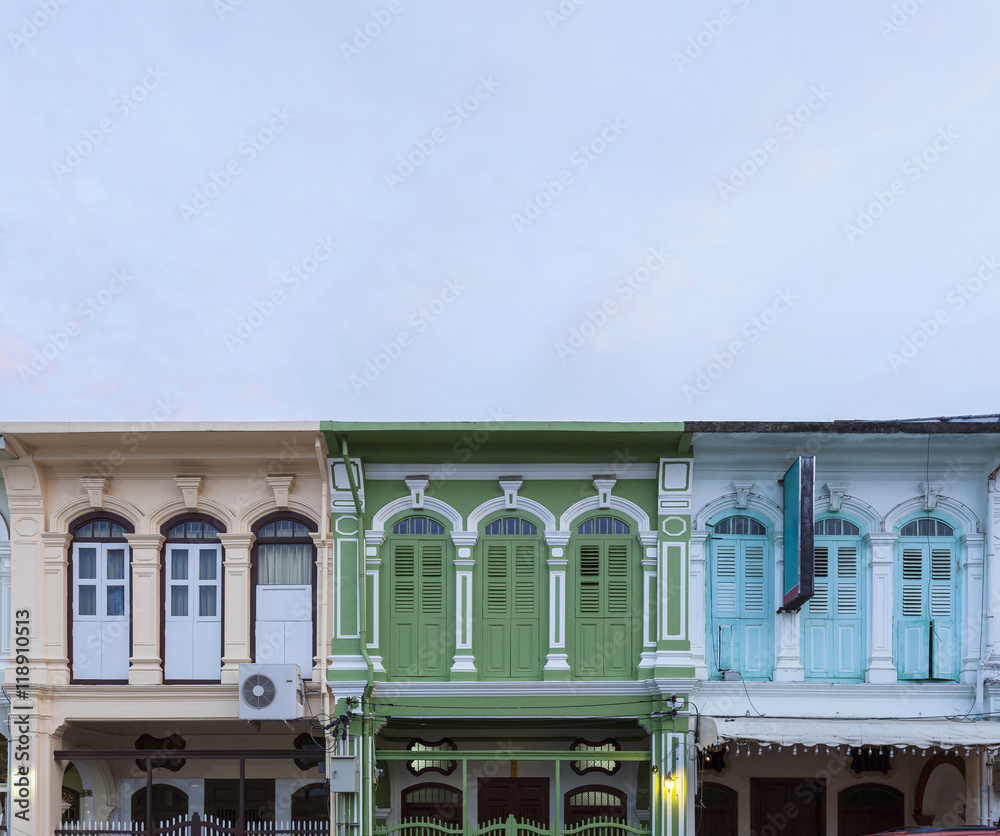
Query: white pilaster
{"type": "Point", "coordinates": [973, 548]}
{"type": "Point", "coordinates": [557, 660]}
{"type": "Point", "coordinates": [697, 601]}
{"type": "Point", "coordinates": [880, 601]}
{"type": "Point", "coordinates": [464, 661]}
{"type": "Point", "coordinates": [788, 667]}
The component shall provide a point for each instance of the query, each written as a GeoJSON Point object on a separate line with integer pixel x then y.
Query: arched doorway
{"type": "Point", "coordinates": [311, 803]}
{"type": "Point", "coordinates": [868, 808]}
{"type": "Point", "coordinates": [715, 811]}
{"type": "Point", "coordinates": [594, 802]}
{"type": "Point", "coordinates": [169, 802]}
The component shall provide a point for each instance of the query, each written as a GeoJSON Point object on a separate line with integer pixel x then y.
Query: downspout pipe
{"type": "Point", "coordinates": [367, 749]}
{"type": "Point", "coordinates": [988, 618]}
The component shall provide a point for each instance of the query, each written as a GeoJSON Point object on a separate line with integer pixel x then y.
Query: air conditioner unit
{"type": "Point", "coordinates": [270, 692]}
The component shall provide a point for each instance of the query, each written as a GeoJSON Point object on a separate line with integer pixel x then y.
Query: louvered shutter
{"type": "Point", "coordinates": [742, 636]}
{"type": "Point", "coordinates": [604, 612]}
{"type": "Point", "coordinates": [510, 615]}
{"type": "Point", "coordinates": [831, 620]}
{"type": "Point", "coordinates": [942, 614]}
{"type": "Point", "coordinates": [418, 605]}
{"type": "Point", "coordinates": [914, 621]}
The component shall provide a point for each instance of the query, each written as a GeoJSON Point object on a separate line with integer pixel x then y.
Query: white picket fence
{"type": "Point", "coordinates": [195, 825]}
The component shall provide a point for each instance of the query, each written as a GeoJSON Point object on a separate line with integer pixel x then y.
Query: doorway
{"type": "Point", "coordinates": [222, 799]}
{"type": "Point", "coordinates": [771, 799]}
{"type": "Point", "coordinates": [527, 799]}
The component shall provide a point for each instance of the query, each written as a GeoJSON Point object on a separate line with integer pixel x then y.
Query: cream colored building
{"type": "Point", "coordinates": [152, 564]}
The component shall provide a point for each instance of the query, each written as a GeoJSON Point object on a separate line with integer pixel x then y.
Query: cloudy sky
{"type": "Point", "coordinates": [448, 209]}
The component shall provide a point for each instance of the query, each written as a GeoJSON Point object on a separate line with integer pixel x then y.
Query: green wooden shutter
{"type": "Point", "coordinates": [419, 645]}
{"type": "Point", "coordinates": [510, 617]}
{"type": "Point", "coordinates": [604, 611]}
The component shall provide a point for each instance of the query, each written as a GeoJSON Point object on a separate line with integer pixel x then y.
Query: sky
{"type": "Point", "coordinates": [390, 210]}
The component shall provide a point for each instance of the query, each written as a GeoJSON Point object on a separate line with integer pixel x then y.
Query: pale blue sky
{"type": "Point", "coordinates": [429, 210]}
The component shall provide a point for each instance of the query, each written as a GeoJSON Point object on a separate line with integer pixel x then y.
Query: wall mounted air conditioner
{"type": "Point", "coordinates": [270, 692]}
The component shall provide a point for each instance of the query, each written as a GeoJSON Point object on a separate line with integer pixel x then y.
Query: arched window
{"type": "Point", "coordinates": [510, 600]}
{"type": "Point", "coordinates": [832, 623]}
{"type": "Point", "coordinates": [604, 582]}
{"type": "Point", "coordinates": [284, 578]}
{"type": "Point", "coordinates": [594, 801]}
{"type": "Point", "coordinates": [436, 802]}
{"type": "Point", "coordinates": [927, 635]}
{"type": "Point", "coordinates": [510, 525]}
{"type": "Point", "coordinates": [416, 599]}
{"type": "Point", "coordinates": [100, 633]}
{"type": "Point", "coordinates": [741, 610]}
{"type": "Point", "coordinates": [192, 599]}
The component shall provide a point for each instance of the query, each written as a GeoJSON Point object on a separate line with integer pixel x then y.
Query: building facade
{"type": "Point", "coordinates": [564, 623]}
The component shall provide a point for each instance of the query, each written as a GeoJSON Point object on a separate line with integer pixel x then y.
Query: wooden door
{"type": "Point", "coordinates": [788, 806]}
{"type": "Point", "coordinates": [222, 798]}
{"type": "Point", "coordinates": [715, 811]}
{"type": "Point", "coordinates": [527, 799]}
{"type": "Point", "coordinates": [869, 808]}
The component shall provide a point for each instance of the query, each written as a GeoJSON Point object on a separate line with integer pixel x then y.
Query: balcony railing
{"type": "Point", "coordinates": [511, 827]}
{"type": "Point", "coordinates": [194, 825]}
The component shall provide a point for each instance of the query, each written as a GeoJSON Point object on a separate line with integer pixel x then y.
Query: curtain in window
{"type": "Point", "coordinates": [284, 564]}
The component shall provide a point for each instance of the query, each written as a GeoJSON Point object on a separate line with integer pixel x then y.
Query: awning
{"type": "Point", "coordinates": [922, 734]}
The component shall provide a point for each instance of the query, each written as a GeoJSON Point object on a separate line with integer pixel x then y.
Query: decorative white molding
{"type": "Point", "coordinates": [605, 483]}
{"type": "Point", "coordinates": [944, 505]}
{"type": "Point", "coordinates": [252, 513]}
{"type": "Point", "coordinates": [557, 539]}
{"type": "Point", "coordinates": [727, 502]}
{"type": "Point", "coordinates": [524, 505]}
{"type": "Point", "coordinates": [557, 662]}
{"type": "Point", "coordinates": [647, 539]}
{"type": "Point", "coordinates": [95, 489]}
{"type": "Point", "coordinates": [375, 537]}
{"type": "Point", "coordinates": [62, 518]}
{"type": "Point", "coordinates": [851, 506]}
{"type": "Point", "coordinates": [836, 490]}
{"type": "Point", "coordinates": [463, 664]}
{"type": "Point", "coordinates": [397, 506]}
{"type": "Point", "coordinates": [418, 489]}
{"type": "Point", "coordinates": [742, 493]}
{"type": "Point", "coordinates": [156, 518]}
{"type": "Point", "coordinates": [465, 538]}
{"type": "Point", "coordinates": [281, 485]}
{"type": "Point", "coordinates": [931, 491]}
{"type": "Point", "coordinates": [466, 471]}
{"type": "Point", "coordinates": [190, 487]}
{"type": "Point", "coordinates": [617, 503]}
{"type": "Point", "coordinates": [510, 485]}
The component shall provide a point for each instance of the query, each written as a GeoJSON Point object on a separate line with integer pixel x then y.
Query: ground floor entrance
{"type": "Point", "coordinates": [526, 799]}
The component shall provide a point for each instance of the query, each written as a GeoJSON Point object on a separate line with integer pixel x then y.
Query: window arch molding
{"type": "Point", "coordinates": [405, 503]}
{"type": "Point", "coordinates": [863, 528]}
{"type": "Point", "coordinates": [100, 515]}
{"type": "Point", "coordinates": [546, 519]}
{"type": "Point", "coordinates": [959, 516]}
{"type": "Point", "coordinates": [72, 514]}
{"type": "Point", "coordinates": [571, 517]}
{"type": "Point", "coordinates": [170, 513]}
{"type": "Point", "coordinates": [417, 512]}
{"type": "Point", "coordinates": [957, 528]}
{"type": "Point", "coordinates": [857, 511]}
{"type": "Point", "coordinates": [759, 507]}
{"type": "Point", "coordinates": [253, 514]}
